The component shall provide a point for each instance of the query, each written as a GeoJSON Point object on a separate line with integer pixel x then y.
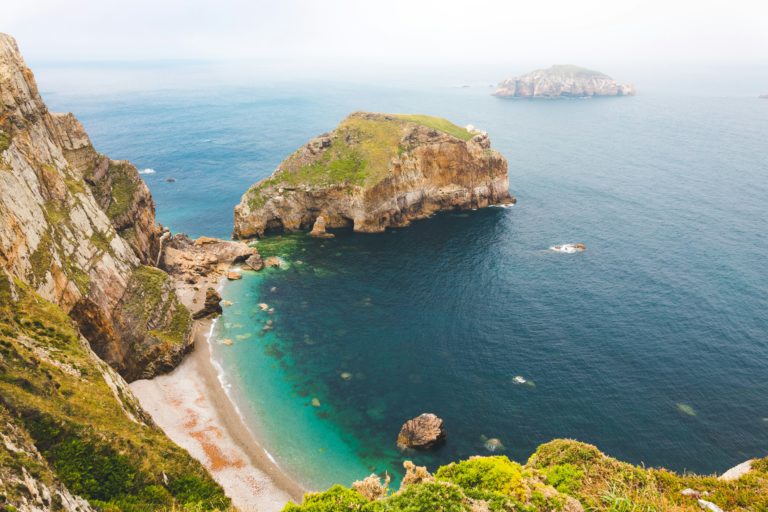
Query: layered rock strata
{"type": "Point", "coordinates": [376, 171]}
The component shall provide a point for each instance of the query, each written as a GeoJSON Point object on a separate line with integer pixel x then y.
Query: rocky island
{"type": "Point", "coordinates": [376, 171]}
{"type": "Point", "coordinates": [562, 81]}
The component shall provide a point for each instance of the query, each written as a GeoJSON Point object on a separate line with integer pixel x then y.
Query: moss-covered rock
{"type": "Point", "coordinates": [562, 475]}
{"type": "Point", "coordinates": [375, 171]}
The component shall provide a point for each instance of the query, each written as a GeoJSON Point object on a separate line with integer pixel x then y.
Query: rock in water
{"type": "Point", "coordinates": [234, 276]}
{"type": "Point", "coordinates": [376, 171]}
{"type": "Point", "coordinates": [423, 431]}
{"type": "Point", "coordinates": [562, 81]}
{"type": "Point", "coordinates": [318, 229]}
{"type": "Point", "coordinates": [212, 305]}
{"type": "Point", "coordinates": [254, 262]}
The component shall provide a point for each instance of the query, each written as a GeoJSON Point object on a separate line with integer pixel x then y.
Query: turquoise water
{"type": "Point", "coordinates": [652, 344]}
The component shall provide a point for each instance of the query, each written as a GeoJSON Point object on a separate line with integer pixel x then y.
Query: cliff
{"type": "Point", "coordinates": [80, 229]}
{"type": "Point", "coordinates": [562, 81]}
{"type": "Point", "coordinates": [376, 171]}
{"type": "Point", "coordinates": [73, 436]}
{"type": "Point", "coordinates": [562, 475]}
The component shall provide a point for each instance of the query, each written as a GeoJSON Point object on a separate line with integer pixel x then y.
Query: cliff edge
{"type": "Point", "coordinates": [79, 228]}
{"type": "Point", "coordinates": [376, 171]}
{"type": "Point", "coordinates": [564, 81]}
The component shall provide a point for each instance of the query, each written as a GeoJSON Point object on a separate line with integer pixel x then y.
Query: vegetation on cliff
{"type": "Point", "coordinates": [359, 154]}
{"type": "Point", "coordinates": [82, 419]}
{"type": "Point", "coordinates": [562, 475]}
{"type": "Point", "coordinates": [376, 171]}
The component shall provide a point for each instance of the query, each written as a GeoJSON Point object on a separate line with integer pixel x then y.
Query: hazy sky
{"type": "Point", "coordinates": [392, 31]}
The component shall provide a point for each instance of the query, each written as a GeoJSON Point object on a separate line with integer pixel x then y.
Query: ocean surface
{"type": "Point", "coordinates": [651, 344]}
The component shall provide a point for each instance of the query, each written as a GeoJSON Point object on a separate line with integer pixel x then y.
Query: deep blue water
{"type": "Point", "coordinates": [652, 344]}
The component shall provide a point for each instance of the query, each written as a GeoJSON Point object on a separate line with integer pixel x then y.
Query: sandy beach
{"type": "Point", "coordinates": [193, 409]}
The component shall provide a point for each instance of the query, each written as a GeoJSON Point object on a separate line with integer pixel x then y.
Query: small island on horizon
{"type": "Point", "coordinates": [562, 81]}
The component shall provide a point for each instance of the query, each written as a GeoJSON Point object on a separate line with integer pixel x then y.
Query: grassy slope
{"type": "Point", "coordinates": [54, 388]}
{"type": "Point", "coordinates": [364, 163]}
{"type": "Point", "coordinates": [573, 469]}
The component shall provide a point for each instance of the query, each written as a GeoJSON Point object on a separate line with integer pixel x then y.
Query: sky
{"type": "Point", "coordinates": [404, 32]}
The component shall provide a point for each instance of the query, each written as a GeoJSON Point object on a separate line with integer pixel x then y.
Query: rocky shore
{"type": "Point", "coordinates": [376, 171]}
{"type": "Point", "coordinates": [562, 81]}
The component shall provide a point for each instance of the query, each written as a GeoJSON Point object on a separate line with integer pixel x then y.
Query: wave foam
{"type": "Point", "coordinates": [147, 171]}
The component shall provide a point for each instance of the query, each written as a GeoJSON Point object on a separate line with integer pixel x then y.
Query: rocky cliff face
{"type": "Point", "coordinates": [376, 171]}
{"type": "Point", "coordinates": [77, 226]}
{"type": "Point", "coordinates": [562, 81]}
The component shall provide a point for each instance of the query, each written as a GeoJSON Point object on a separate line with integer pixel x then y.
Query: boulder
{"type": "Point", "coordinates": [254, 262]}
{"type": "Point", "coordinates": [423, 431]}
{"type": "Point", "coordinates": [234, 276]}
{"type": "Point", "coordinates": [211, 307]}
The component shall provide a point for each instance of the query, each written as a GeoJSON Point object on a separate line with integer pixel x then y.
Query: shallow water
{"type": "Point", "coordinates": [651, 344]}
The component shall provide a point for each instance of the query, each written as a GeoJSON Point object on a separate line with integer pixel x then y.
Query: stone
{"type": "Point", "coordinates": [234, 276]}
{"type": "Point", "coordinates": [264, 306]}
{"type": "Point", "coordinates": [274, 261]}
{"type": "Point", "coordinates": [212, 306]}
{"type": "Point", "coordinates": [422, 432]}
{"type": "Point", "coordinates": [564, 81]}
{"type": "Point", "coordinates": [254, 262]}
{"type": "Point", "coordinates": [737, 472]}
{"type": "Point", "coordinates": [690, 492]}
{"type": "Point", "coordinates": [318, 229]}
{"type": "Point", "coordinates": [315, 402]}
{"type": "Point", "coordinates": [708, 505]}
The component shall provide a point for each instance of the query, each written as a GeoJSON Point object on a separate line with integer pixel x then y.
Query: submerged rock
{"type": "Point", "coordinates": [563, 81]}
{"type": "Point", "coordinates": [212, 305]}
{"type": "Point", "coordinates": [423, 431]}
{"type": "Point", "coordinates": [376, 171]}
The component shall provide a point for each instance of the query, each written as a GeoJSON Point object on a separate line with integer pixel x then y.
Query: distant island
{"type": "Point", "coordinates": [376, 171]}
{"type": "Point", "coordinates": [763, 96]}
{"type": "Point", "coordinates": [562, 81]}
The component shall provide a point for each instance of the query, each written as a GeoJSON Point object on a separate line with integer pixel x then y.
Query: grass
{"type": "Point", "coordinates": [360, 154]}
{"type": "Point", "coordinates": [53, 388]}
{"type": "Point", "coordinates": [123, 189]}
{"type": "Point", "coordinates": [5, 141]}
{"type": "Point", "coordinates": [558, 472]}
{"type": "Point", "coordinates": [150, 294]}
{"type": "Point", "coordinates": [439, 124]}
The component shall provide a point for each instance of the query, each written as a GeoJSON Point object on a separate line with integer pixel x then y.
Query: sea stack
{"type": "Point", "coordinates": [562, 81]}
{"type": "Point", "coordinates": [376, 171]}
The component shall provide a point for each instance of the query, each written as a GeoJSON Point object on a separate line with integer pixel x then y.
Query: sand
{"type": "Point", "coordinates": [193, 409]}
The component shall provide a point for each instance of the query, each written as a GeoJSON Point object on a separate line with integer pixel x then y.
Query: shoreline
{"type": "Point", "coordinates": [192, 407]}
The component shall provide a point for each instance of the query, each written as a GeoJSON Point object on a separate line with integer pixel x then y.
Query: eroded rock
{"type": "Point", "coordinates": [422, 432]}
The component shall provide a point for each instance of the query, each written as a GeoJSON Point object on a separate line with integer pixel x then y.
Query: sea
{"type": "Point", "coordinates": [652, 344]}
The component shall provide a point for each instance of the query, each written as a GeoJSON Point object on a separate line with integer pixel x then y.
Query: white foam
{"type": "Point", "coordinates": [147, 171]}
{"type": "Point", "coordinates": [567, 248]}
{"type": "Point", "coordinates": [519, 379]}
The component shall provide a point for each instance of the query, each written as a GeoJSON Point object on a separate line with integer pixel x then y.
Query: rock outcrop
{"type": "Point", "coordinates": [562, 81]}
{"type": "Point", "coordinates": [376, 171]}
{"type": "Point", "coordinates": [424, 431]}
{"type": "Point", "coordinates": [80, 229]}
{"type": "Point", "coordinates": [211, 307]}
